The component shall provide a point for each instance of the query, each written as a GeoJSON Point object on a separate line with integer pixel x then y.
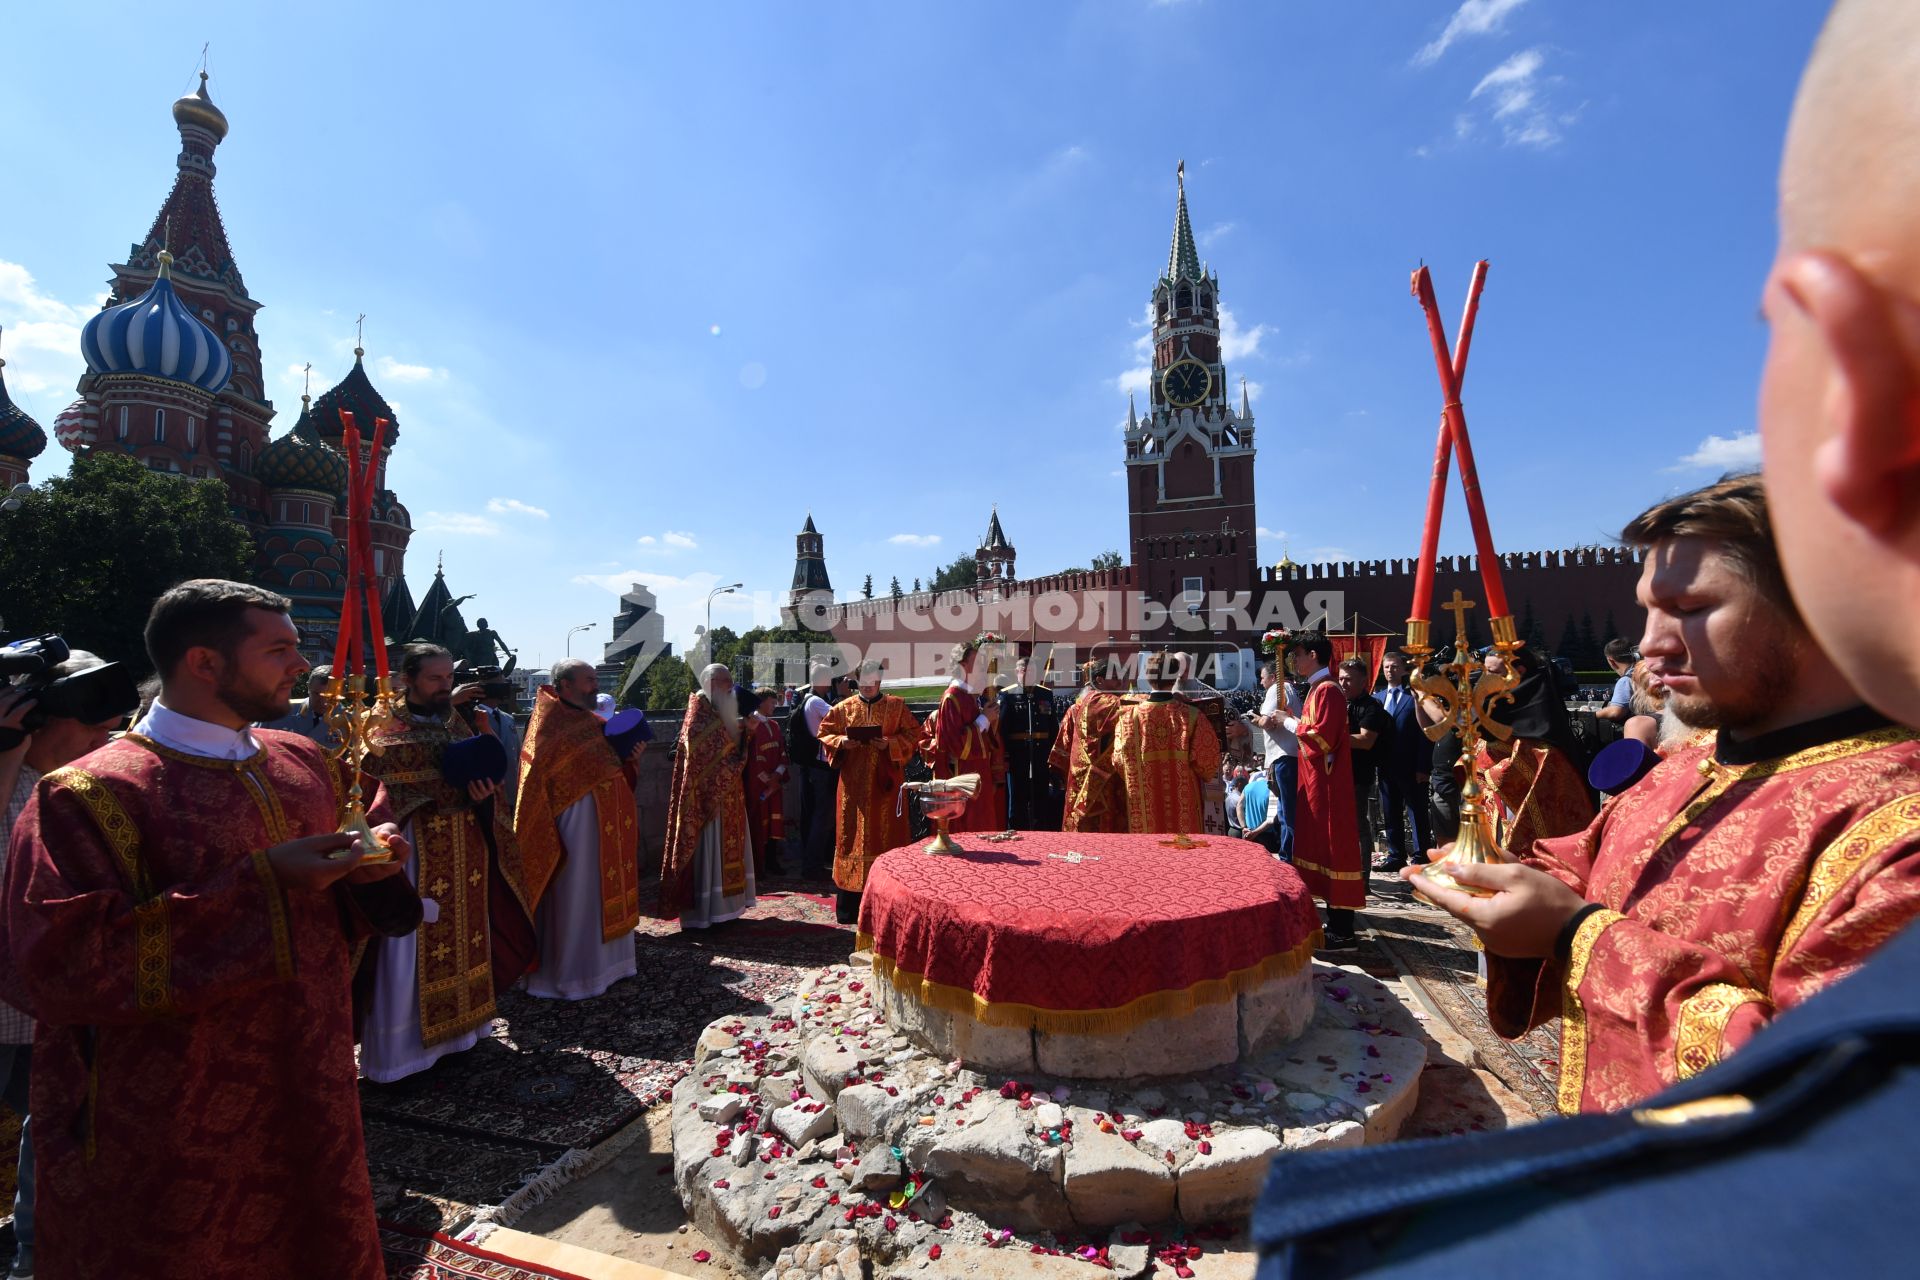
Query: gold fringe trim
{"type": "Point", "coordinates": [1155, 1006]}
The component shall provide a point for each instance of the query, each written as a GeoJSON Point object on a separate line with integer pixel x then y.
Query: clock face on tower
{"type": "Point", "coordinates": [1186, 382]}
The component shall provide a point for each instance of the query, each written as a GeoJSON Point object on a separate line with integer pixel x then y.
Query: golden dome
{"type": "Point", "coordinates": [198, 109]}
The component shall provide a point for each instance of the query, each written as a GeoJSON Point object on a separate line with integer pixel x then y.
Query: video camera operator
{"type": "Point", "coordinates": [48, 719]}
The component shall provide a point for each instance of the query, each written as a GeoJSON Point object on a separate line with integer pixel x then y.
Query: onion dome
{"type": "Point", "coordinates": [198, 109]}
{"type": "Point", "coordinates": [356, 394]}
{"type": "Point", "coordinates": [20, 435]}
{"type": "Point", "coordinates": [300, 459]}
{"type": "Point", "coordinates": [71, 428]}
{"type": "Point", "coordinates": [156, 335]}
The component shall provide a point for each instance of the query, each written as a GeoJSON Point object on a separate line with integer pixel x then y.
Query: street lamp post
{"type": "Point", "coordinates": [717, 591]}
{"type": "Point", "coordinates": [585, 626]}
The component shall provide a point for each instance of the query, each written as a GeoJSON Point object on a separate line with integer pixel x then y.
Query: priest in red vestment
{"type": "Point", "coordinates": [1166, 753]}
{"type": "Point", "coordinates": [706, 873]}
{"type": "Point", "coordinates": [1537, 778]}
{"type": "Point", "coordinates": [1741, 875]}
{"type": "Point", "coordinates": [432, 994]}
{"type": "Point", "coordinates": [765, 783]}
{"type": "Point", "coordinates": [1083, 757]}
{"type": "Point", "coordinates": [868, 738]}
{"type": "Point", "coordinates": [177, 921]}
{"type": "Point", "coordinates": [960, 737]}
{"type": "Point", "coordinates": [1326, 827]}
{"type": "Point", "coordinates": [579, 834]}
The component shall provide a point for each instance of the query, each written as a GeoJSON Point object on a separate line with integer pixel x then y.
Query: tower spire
{"type": "Point", "coordinates": [1183, 260]}
{"type": "Point", "coordinates": [1246, 406]}
{"type": "Point", "coordinates": [1133, 422]}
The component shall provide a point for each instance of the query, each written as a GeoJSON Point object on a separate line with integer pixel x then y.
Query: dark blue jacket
{"type": "Point", "coordinates": [1411, 750]}
{"type": "Point", "coordinates": [1799, 1155]}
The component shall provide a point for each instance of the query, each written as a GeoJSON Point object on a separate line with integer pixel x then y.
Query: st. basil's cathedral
{"type": "Point", "coordinates": [175, 378]}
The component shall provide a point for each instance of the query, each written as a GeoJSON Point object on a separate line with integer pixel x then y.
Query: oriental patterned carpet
{"type": "Point", "coordinates": [418, 1254]}
{"type": "Point", "coordinates": [483, 1134]}
{"type": "Point", "coordinates": [1430, 945]}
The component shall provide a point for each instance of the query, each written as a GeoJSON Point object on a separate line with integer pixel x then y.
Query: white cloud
{"type": "Point", "coordinates": [669, 540]}
{"type": "Point", "coordinates": [1472, 18]}
{"type": "Point", "coordinates": [1216, 232]}
{"type": "Point", "coordinates": [1237, 343]}
{"type": "Point", "coordinates": [1517, 97]}
{"type": "Point", "coordinates": [391, 370]}
{"type": "Point", "coordinates": [1723, 453]}
{"type": "Point", "coordinates": [510, 506]}
{"type": "Point", "coordinates": [459, 523]}
{"type": "Point", "coordinates": [42, 341]}
{"type": "Point", "coordinates": [915, 539]}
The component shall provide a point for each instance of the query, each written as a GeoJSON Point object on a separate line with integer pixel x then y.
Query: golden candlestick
{"type": "Point", "coordinates": [354, 718]}
{"type": "Point", "coordinates": [1469, 693]}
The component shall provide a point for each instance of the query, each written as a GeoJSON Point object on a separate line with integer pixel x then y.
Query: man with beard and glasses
{"type": "Point", "coordinates": [1741, 875]}
{"type": "Point", "coordinates": [180, 916]}
{"type": "Point", "coordinates": [433, 993]}
{"type": "Point", "coordinates": [706, 873]}
{"type": "Point", "coordinates": [869, 737]}
{"type": "Point", "coordinates": [579, 835]}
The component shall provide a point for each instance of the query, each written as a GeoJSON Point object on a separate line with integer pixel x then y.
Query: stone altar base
{"type": "Point", "coordinates": [815, 1121]}
{"type": "Point", "coordinates": [1212, 1035]}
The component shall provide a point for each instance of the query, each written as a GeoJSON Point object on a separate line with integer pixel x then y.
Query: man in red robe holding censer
{"type": "Point", "coordinates": [1739, 877]}
{"type": "Point", "coordinates": [1326, 829]}
{"type": "Point", "coordinates": [180, 916]}
{"type": "Point", "coordinates": [960, 737]}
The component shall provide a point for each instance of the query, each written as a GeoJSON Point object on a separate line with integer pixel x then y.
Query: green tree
{"type": "Point", "coordinates": [1569, 646]}
{"type": "Point", "coordinates": [916, 586]}
{"type": "Point", "coordinates": [866, 588]}
{"type": "Point", "coordinates": [961, 573]}
{"type": "Point", "coordinates": [87, 553]}
{"type": "Point", "coordinates": [1107, 560]}
{"type": "Point", "coordinates": [1591, 658]}
{"type": "Point", "coordinates": [669, 681]}
{"type": "Point", "coordinates": [893, 589]}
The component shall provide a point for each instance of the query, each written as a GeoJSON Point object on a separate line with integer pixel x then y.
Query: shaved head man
{"type": "Point", "coordinates": [1840, 401]}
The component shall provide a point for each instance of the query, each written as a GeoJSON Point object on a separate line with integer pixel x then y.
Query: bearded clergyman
{"type": "Point", "coordinates": [579, 834]}
{"type": "Point", "coordinates": [706, 874]}
{"type": "Point", "coordinates": [868, 738]}
{"type": "Point", "coordinates": [432, 992]}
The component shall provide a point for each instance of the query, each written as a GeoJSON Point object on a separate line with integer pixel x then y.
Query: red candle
{"type": "Point", "coordinates": [1463, 446]}
{"type": "Point", "coordinates": [350, 605]}
{"type": "Point", "coordinates": [377, 630]}
{"type": "Point", "coordinates": [1443, 456]}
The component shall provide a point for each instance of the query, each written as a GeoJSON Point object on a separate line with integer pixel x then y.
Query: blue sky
{"type": "Point", "coordinates": [647, 282]}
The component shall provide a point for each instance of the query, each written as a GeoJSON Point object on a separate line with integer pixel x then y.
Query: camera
{"type": "Point", "coordinates": [92, 695]}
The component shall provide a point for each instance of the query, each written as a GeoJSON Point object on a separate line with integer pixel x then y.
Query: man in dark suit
{"type": "Point", "coordinates": [1403, 775]}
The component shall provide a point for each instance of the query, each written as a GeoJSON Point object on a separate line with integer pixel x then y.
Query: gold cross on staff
{"type": "Point", "coordinates": [1458, 607]}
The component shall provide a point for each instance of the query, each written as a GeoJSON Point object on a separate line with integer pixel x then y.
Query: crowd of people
{"type": "Point", "coordinates": [190, 949]}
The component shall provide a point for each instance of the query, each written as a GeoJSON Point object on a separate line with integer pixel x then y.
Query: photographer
{"type": "Point", "coordinates": [37, 708]}
{"type": "Point", "coordinates": [486, 700]}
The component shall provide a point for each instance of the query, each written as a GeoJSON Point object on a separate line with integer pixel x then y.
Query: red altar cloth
{"type": "Point", "coordinates": [1019, 934]}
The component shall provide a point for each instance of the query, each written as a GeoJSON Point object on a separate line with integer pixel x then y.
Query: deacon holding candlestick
{"type": "Point", "coordinates": [181, 914]}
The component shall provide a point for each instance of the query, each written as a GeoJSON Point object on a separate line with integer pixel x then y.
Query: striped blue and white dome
{"type": "Point", "coordinates": [156, 335]}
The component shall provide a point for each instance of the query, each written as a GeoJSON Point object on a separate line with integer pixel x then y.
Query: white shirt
{"type": "Point", "coordinates": [195, 737]}
{"type": "Point", "coordinates": [1279, 742]}
{"type": "Point", "coordinates": [1293, 720]}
